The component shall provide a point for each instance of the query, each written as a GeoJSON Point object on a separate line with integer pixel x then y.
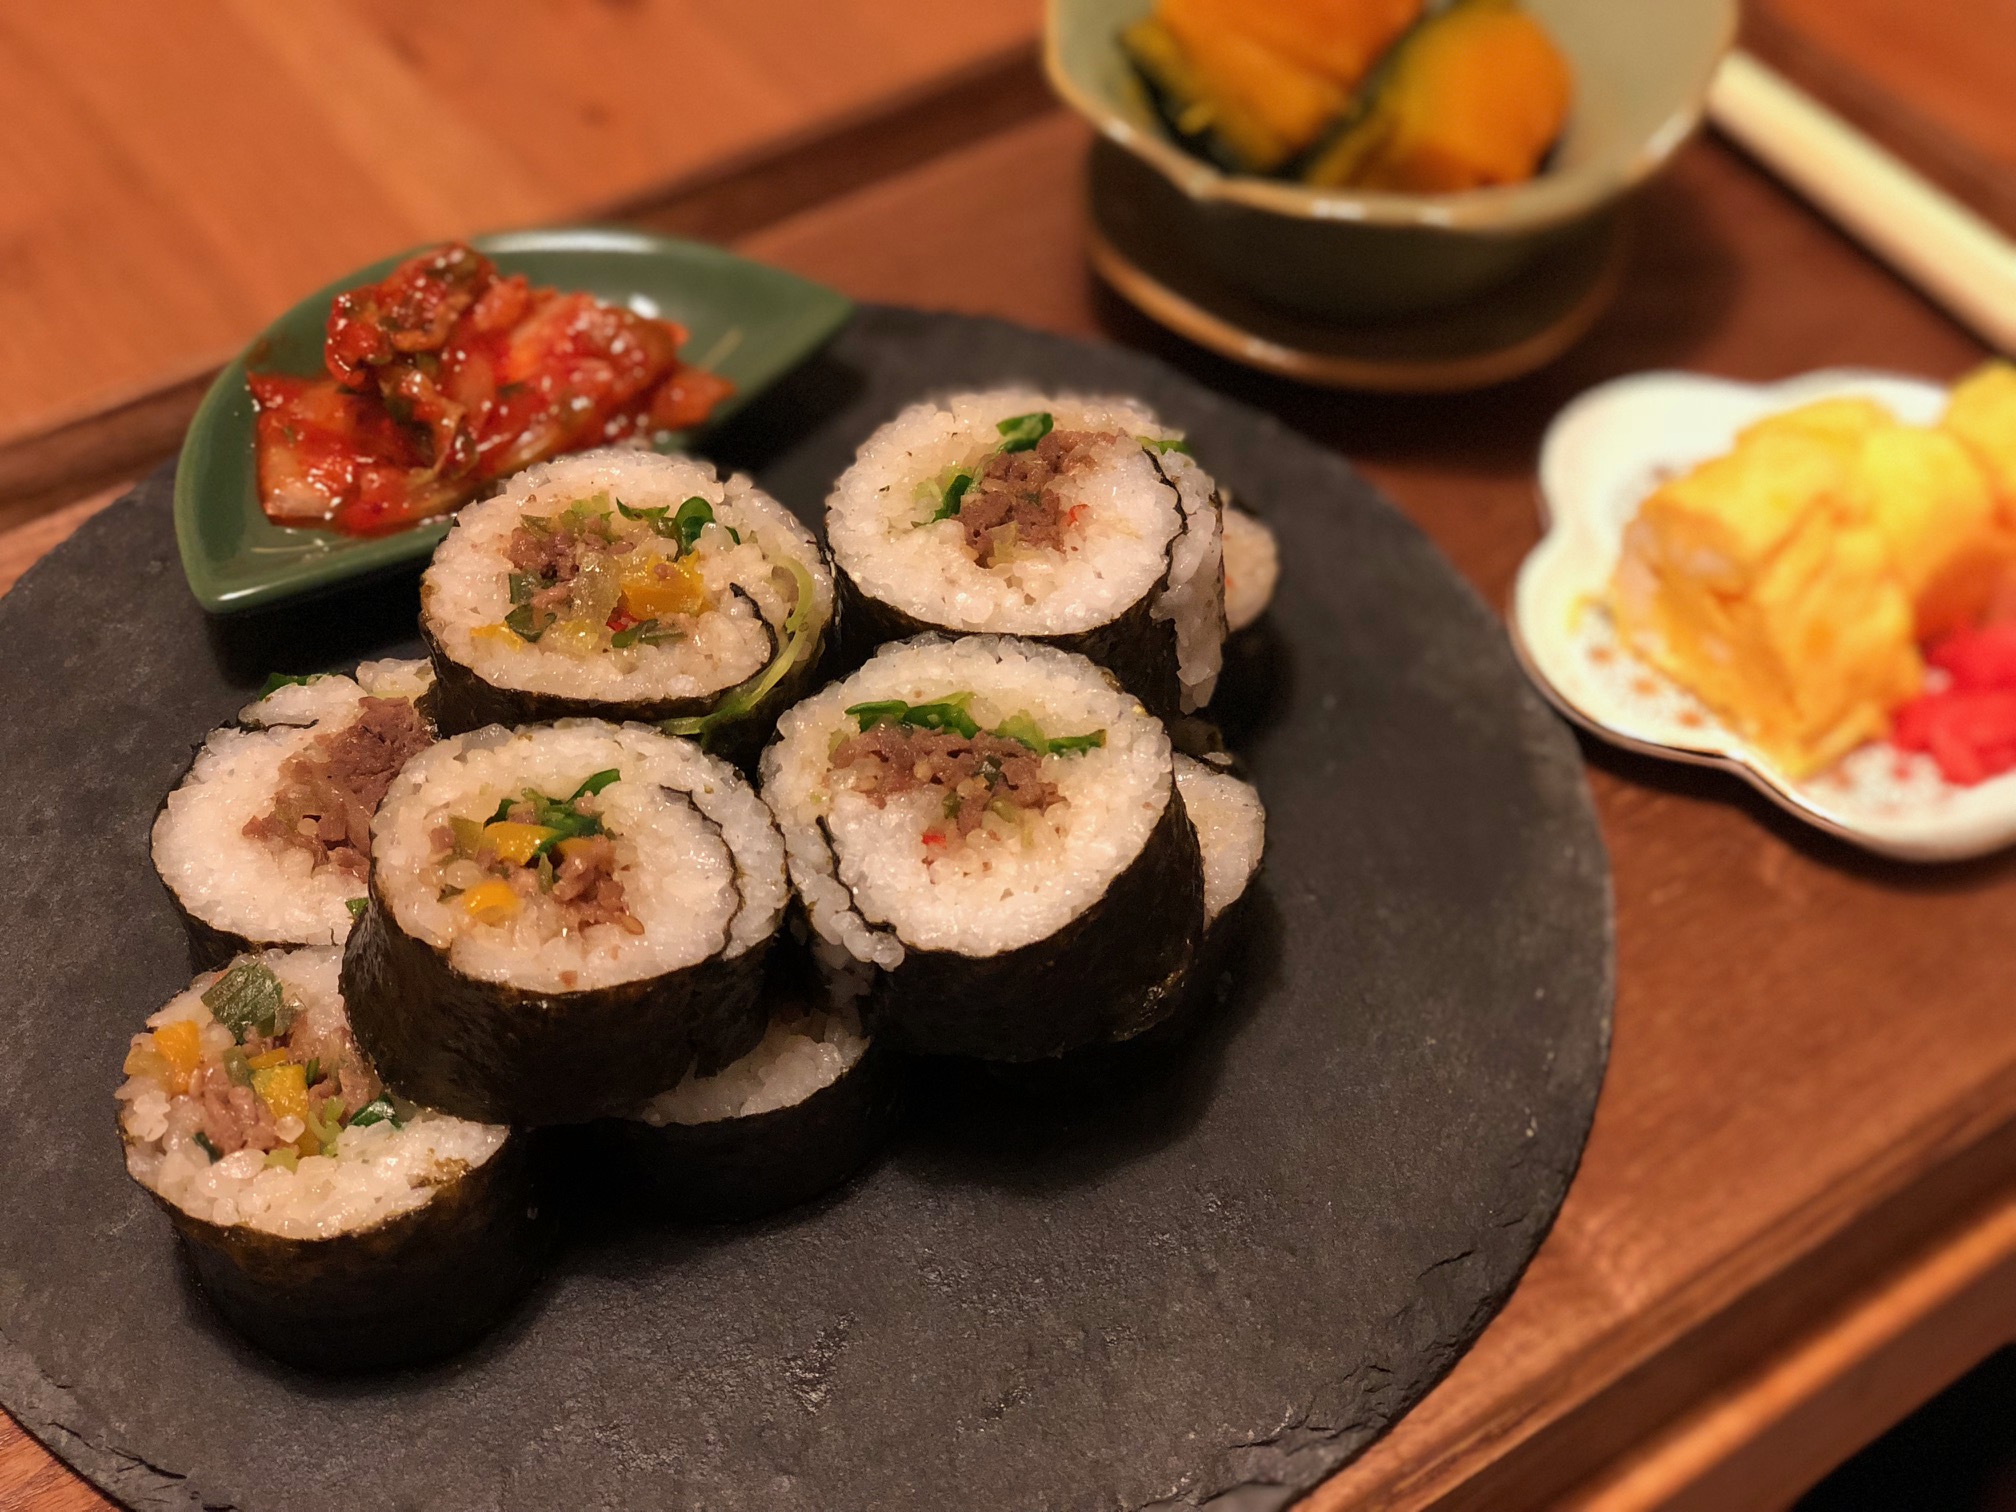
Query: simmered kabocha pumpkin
{"type": "Point", "coordinates": [1253, 86]}
{"type": "Point", "coordinates": [1474, 96]}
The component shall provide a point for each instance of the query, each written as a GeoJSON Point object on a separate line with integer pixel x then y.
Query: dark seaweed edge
{"type": "Point", "coordinates": [731, 1170]}
{"type": "Point", "coordinates": [1105, 976]}
{"type": "Point", "coordinates": [406, 1290]}
{"type": "Point", "coordinates": [501, 1054]}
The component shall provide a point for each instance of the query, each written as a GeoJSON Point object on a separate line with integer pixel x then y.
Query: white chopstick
{"type": "Point", "coordinates": [1955, 256]}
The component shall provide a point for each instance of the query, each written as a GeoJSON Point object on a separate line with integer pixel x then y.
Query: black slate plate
{"type": "Point", "coordinates": [1215, 1288]}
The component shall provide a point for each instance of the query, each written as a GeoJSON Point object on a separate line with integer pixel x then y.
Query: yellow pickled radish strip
{"type": "Point", "coordinates": [284, 1090]}
{"type": "Point", "coordinates": [504, 635]}
{"type": "Point", "coordinates": [513, 842]}
{"type": "Point", "coordinates": [680, 589]}
{"type": "Point", "coordinates": [180, 1044]}
{"type": "Point", "coordinates": [266, 1059]}
{"type": "Point", "coordinates": [492, 902]}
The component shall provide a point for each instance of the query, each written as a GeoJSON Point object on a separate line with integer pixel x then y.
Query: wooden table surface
{"type": "Point", "coordinates": [1796, 1218]}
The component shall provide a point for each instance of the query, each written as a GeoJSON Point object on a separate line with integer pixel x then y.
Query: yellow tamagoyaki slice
{"type": "Point", "coordinates": [1933, 503]}
{"type": "Point", "coordinates": [1982, 413]}
{"type": "Point", "coordinates": [1755, 581]}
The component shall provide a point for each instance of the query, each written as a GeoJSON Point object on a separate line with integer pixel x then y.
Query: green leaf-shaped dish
{"type": "Point", "coordinates": [749, 323]}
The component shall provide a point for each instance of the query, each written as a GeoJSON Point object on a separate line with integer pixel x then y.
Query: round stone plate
{"type": "Point", "coordinates": [1211, 1287]}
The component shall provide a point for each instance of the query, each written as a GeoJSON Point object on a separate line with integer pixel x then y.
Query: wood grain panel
{"type": "Point", "coordinates": [1955, 60]}
{"type": "Point", "coordinates": [173, 177]}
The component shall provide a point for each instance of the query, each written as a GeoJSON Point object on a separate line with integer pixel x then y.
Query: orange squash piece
{"type": "Point", "coordinates": [1338, 40]}
{"type": "Point", "coordinates": [1258, 107]}
{"type": "Point", "coordinates": [1474, 97]}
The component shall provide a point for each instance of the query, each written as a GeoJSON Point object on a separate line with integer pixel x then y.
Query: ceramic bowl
{"type": "Point", "coordinates": [747, 322]}
{"type": "Point", "coordinates": [1641, 78]}
{"type": "Point", "coordinates": [1603, 454]}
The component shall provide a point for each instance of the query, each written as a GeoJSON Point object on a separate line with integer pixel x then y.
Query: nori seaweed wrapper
{"type": "Point", "coordinates": [465, 701]}
{"type": "Point", "coordinates": [734, 1169]}
{"type": "Point", "coordinates": [1101, 1070]}
{"type": "Point", "coordinates": [1113, 972]}
{"type": "Point", "coordinates": [500, 1054]}
{"type": "Point", "coordinates": [410, 1289]}
{"type": "Point", "coordinates": [1134, 646]}
{"type": "Point", "coordinates": [211, 948]}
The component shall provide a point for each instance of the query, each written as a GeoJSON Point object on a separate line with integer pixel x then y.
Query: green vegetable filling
{"type": "Point", "coordinates": [1019, 433]}
{"type": "Point", "coordinates": [645, 632]}
{"type": "Point", "coordinates": [248, 997]}
{"type": "Point", "coordinates": [950, 713]}
{"type": "Point", "coordinates": [558, 814]}
{"type": "Point", "coordinates": [800, 639]}
{"type": "Point", "coordinates": [377, 1111]}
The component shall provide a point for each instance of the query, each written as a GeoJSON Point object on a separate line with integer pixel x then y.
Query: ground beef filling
{"type": "Point", "coordinates": [554, 557]}
{"type": "Point", "coordinates": [329, 791]}
{"type": "Point", "coordinates": [975, 772]}
{"type": "Point", "coordinates": [585, 885]}
{"type": "Point", "coordinates": [234, 1117]}
{"type": "Point", "coordinates": [1014, 495]}
{"type": "Point", "coordinates": [577, 876]}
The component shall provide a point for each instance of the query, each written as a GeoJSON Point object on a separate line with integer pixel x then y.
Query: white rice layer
{"type": "Point", "coordinates": [1195, 595]}
{"type": "Point", "coordinates": [1252, 568]}
{"type": "Point", "coordinates": [701, 863]}
{"type": "Point", "coordinates": [878, 519]}
{"type": "Point", "coordinates": [262, 889]}
{"type": "Point", "coordinates": [870, 883]}
{"type": "Point", "coordinates": [332, 697]}
{"type": "Point", "coordinates": [465, 592]}
{"type": "Point", "coordinates": [1231, 825]}
{"type": "Point", "coordinates": [377, 1172]}
{"type": "Point", "coordinates": [797, 1056]}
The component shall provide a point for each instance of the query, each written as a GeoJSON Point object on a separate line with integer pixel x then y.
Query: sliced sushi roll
{"type": "Point", "coordinates": [1252, 568]}
{"type": "Point", "coordinates": [1076, 521]}
{"type": "Point", "coordinates": [626, 585]}
{"type": "Point", "coordinates": [334, 1223]}
{"type": "Point", "coordinates": [266, 840]}
{"type": "Point", "coordinates": [1251, 690]}
{"type": "Point", "coordinates": [795, 1117]}
{"type": "Point", "coordinates": [992, 828]}
{"type": "Point", "coordinates": [1231, 824]}
{"type": "Point", "coordinates": [563, 921]}
{"type": "Point", "coordinates": [1231, 829]}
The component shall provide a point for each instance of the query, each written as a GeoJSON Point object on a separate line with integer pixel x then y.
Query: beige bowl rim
{"type": "Point", "coordinates": [1549, 200]}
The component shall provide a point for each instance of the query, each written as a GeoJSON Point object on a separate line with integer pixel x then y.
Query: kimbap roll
{"type": "Point", "coordinates": [796, 1116]}
{"type": "Point", "coordinates": [1231, 825]}
{"type": "Point", "coordinates": [1231, 832]}
{"type": "Point", "coordinates": [1252, 568]}
{"type": "Point", "coordinates": [1079, 522]}
{"type": "Point", "coordinates": [334, 1223]}
{"type": "Point", "coordinates": [563, 921]}
{"type": "Point", "coordinates": [266, 840]}
{"type": "Point", "coordinates": [626, 585]}
{"type": "Point", "coordinates": [992, 828]}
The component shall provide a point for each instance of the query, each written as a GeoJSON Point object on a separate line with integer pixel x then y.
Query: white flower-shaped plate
{"type": "Point", "coordinates": [1602, 455]}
